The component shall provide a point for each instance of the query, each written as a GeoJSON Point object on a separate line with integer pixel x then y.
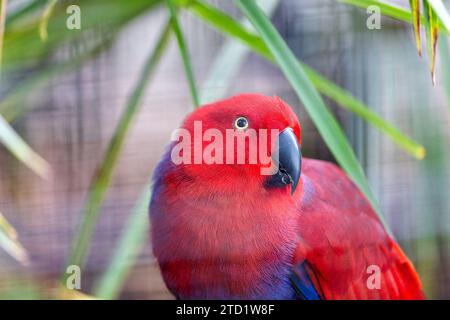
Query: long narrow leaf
{"type": "Point", "coordinates": [129, 246]}
{"type": "Point", "coordinates": [344, 99]}
{"type": "Point", "coordinates": [102, 179]}
{"type": "Point", "coordinates": [20, 149]}
{"type": "Point", "coordinates": [184, 52]}
{"type": "Point", "coordinates": [432, 27]}
{"type": "Point", "coordinates": [415, 9]}
{"type": "Point", "coordinates": [388, 9]}
{"type": "Point", "coordinates": [321, 116]}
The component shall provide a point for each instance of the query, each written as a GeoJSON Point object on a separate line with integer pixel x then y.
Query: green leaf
{"type": "Point", "coordinates": [14, 103]}
{"type": "Point", "coordinates": [321, 116]}
{"type": "Point", "coordinates": [344, 99]}
{"type": "Point", "coordinates": [432, 27]}
{"type": "Point", "coordinates": [415, 9]}
{"type": "Point", "coordinates": [101, 181]}
{"type": "Point", "coordinates": [29, 8]}
{"type": "Point", "coordinates": [387, 9]}
{"type": "Point", "coordinates": [19, 148]}
{"type": "Point", "coordinates": [130, 244]}
{"type": "Point", "coordinates": [9, 242]}
{"type": "Point", "coordinates": [24, 48]}
{"type": "Point", "coordinates": [23, 40]}
{"type": "Point", "coordinates": [183, 52]}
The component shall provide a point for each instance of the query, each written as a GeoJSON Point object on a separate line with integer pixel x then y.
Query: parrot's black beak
{"type": "Point", "coordinates": [289, 162]}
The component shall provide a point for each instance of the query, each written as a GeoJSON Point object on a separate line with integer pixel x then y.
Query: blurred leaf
{"type": "Point", "coordinates": [14, 104]}
{"type": "Point", "coordinates": [327, 125]}
{"type": "Point", "coordinates": [14, 143]}
{"type": "Point", "coordinates": [415, 9]}
{"type": "Point", "coordinates": [130, 244]}
{"type": "Point", "coordinates": [20, 288]}
{"type": "Point", "coordinates": [29, 286]}
{"type": "Point", "coordinates": [183, 51]}
{"type": "Point", "coordinates": [101, 181]}
{"type": "Point", "coordinates": [43, 33]}
{"type": "Point", "coordinates": [432, 27]}
{"type": "Point", "coordinates": [27, 9]}
{"type": "Point", "coordinates": [8, 137]}
{"type": "Point", "coordinates": [9, 242]}
{"type": "Point", "coordinates": [24, 48]}
{"type": "Point", "coordinates": [343, 98]}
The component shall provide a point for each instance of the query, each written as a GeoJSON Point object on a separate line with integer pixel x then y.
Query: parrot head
{"type": "Point", "coordinates": [251, 138]}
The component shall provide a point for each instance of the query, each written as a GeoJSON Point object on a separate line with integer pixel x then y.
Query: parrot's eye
{"type": "Point", "coordinates": [241, 123]}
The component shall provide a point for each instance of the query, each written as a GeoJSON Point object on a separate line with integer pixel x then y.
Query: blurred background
{"type": "Point", "coordinates": [68, 112]}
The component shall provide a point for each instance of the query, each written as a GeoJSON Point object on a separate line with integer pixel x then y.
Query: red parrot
{"type": "Point", "coordinates": [223, 230]}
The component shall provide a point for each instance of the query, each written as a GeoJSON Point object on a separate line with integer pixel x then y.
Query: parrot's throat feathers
{"type": "Point", "coordinates": [236, 246]}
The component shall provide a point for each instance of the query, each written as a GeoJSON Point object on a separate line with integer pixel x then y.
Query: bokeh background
{"type": "Point", "coordinates": [71, 118]}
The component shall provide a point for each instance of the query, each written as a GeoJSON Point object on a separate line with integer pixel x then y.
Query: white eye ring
{"type": "Point", "coordinates": [241, 123]}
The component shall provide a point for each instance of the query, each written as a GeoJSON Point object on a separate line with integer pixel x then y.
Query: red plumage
{"type": "Point", "coordinates": [344, 237]}
{"type": "Point", "coordinates": [219, 232]}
